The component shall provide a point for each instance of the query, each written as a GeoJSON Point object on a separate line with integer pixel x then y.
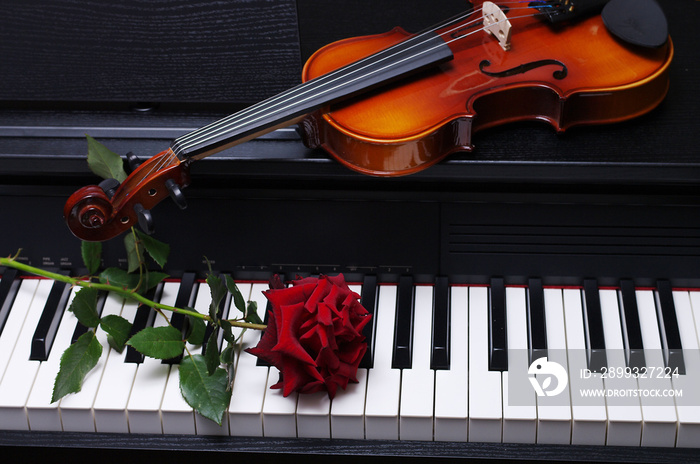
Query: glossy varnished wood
{"type": "Point", "coordinates": [406, 127]}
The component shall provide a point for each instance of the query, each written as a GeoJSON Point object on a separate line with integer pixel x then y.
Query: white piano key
{"type": "Point", "coordinates": [203, 425]}
{"type": "Point", "coordinates": [313, 415]}
{"type": "Point", "coordinates": [279, 412]}
{"type": "Point", "coordinates": [113, 395]}
{"type": "Point", "coordinates": [348, 407]}
{"type": "Point", "coordinates": [519, 406]}
{"type": "Point", "coordinates": [624, 412]}
{"type": "Point", "coordinates": [41, 412]}
{"type": "Point", "coordinates": [589, 414]}
{"type": "Point", "coordinates": [76, 409]}
{"type": "Point", "coordinates": [418, 382]}
{"type": "Point", "coordinates": [177, 415]}
{"type": "Point", "coordinates": [451, 410]}
{"type": "Point", "coordinates": [15, 321]}
{"type": "Point", "coordinates": [383, 382]}
{"type": "Point", "coordinates": [687, 405]}
{"type": "Point", "coordinates": [21, 371]}
{"type": "Point", "coordinates": [554, 412]}
{"type": "Point", "coordinates": [250, 383]}
{"type": "Point", "coordinates": [150, 381]}
{"type": "Point", "coordinates": [660, 419]}
{"type": "Point", "coordinates": [485, 389]}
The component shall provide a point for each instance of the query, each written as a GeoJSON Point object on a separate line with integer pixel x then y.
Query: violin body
{"type": "Point", "coordinates": [565, 74]}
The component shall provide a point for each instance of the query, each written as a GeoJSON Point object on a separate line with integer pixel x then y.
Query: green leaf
{"type": "Point", "coordinates": [196, 329]}
{"type": "Point", "coordinates": [104, 162]}
{"type": "Point", "coordinates": [218, 292]}
{"type": "Point", "coordinates": [153, 278]}
{"type": "Point", "coordinates": [238, 299]}
{"type": "Point", "coordinates": [92, 255]}
{"type": "Point", "coordinates": [134, 252]}
{"type": "Point", "coordinates": [84, 306]}
{"type": "Point", "coordinates": [158, 250]}
{"type": "Point", "coordinates": [228, 331]}
{"type": "Point", "coordinates": [118, 330]}
{"type": "Point", "coordinates": [119, 278]}
{"type": "Point", "coordinates": [76, 362]}
{"type": "Point", "coordinates": [251, 314]}
{"type": "Point", "coordinates": [228, 354]}
{"type": "Point", "coordinates": [158, 342]}
{"type": "Point", "coordinates": [209, 395]}
{"type": "Point", "coordinates": [211, 353]}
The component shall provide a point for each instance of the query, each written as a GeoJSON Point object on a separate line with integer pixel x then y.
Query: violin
{"type": "Point", "coordinates": [396, 103]}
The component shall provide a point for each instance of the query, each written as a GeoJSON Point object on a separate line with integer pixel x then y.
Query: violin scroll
{"type": "Point", "coordinates": [95, 213]}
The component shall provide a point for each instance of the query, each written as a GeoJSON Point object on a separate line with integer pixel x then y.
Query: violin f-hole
{"type": "Point", "coordinates": [559, 74]}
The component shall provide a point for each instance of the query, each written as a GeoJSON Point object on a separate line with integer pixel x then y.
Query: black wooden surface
{"type": "Point", "coordinates": [113, 448]}
{"type": "Point", "coordinates": [147, 51]}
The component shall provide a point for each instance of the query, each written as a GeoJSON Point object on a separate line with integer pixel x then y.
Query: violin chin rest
{"type": "Point", "coordinates": [639, 22]}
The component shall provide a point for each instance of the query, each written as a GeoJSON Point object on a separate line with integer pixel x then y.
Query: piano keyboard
{"type": "Point", "coordinates": [441, 362]}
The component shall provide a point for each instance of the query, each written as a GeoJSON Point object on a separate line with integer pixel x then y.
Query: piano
{"type": "Point", "coordinates": [566, 246]}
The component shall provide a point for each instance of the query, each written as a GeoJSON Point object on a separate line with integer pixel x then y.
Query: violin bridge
{"type": "Point", "coordinates": [496, 23]}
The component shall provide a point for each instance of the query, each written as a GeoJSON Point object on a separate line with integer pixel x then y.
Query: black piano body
{"type": "Point", "coordinates": [603, 202]}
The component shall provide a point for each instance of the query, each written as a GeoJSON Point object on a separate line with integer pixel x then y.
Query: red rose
{"type": "Point", "coordinates": [314, 335]}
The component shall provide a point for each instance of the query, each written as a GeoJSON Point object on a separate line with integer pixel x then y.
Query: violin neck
{"type": "Point", "coordinates": [411, 55]}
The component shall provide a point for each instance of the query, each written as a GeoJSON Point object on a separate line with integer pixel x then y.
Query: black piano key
{"type": "Point", "coordinates": [440, 354]}
{"type": "Point", "coordinates": [185, 298]}
{"type": "Point", "coordinates": [50, 318]}
{"type": "Point", "coordinates": [403, 331]}
{"type": "Point", "coordinates": [8, 291]}
{"type": "Point", "coordinates": [268, 310]}
{"type": "Point", "coordinates": [221, 311]}
{"type": "Point", "coordinates": [593, 326]}
{"type": "Point", "coordinates": [369, 301]}
{"type": "Point", "coordinates": [668, 327]}
{"type": "Point", "coordinates": [536, 320]}
{"type": "Point", "coordinates": [498, 340]}
{"type": "Point", "coordinates": [80, 328]}
{"type": "Point", "coordinates": [631, 329]}
{"type": "Point", "coordinates": [145, 317]}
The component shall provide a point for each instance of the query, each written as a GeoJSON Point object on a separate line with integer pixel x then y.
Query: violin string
{"type": "Point", "coordinates": [163, 162]}
{"type": "Point", "coordinates": [173, 154]}
{"type": "Point", "coordinates": [331, 75]}
{"type": "Point", "coordinates": [201, 134]}
{"type": "Point", "coordinates": [285, 96]}
{"type": "Point", "coordinates": [234, 121]}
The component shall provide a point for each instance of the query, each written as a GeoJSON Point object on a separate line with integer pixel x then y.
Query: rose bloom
{"type": "Point", "coordinates": [314, 335]}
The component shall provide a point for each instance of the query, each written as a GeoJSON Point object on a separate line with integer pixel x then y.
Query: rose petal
{"type": "Point", "coordinates": [285, 296]}
{"type": "Point", "coordinates": [339, 281]}
{"type": "Point", "coordinates": [314, 335]}
{"type": "Point", "coordinates": [324, 314]}
{"type": "Point", "coordinates": [287, 342]}
{"type": "Point", "coordinates": [317, 295]}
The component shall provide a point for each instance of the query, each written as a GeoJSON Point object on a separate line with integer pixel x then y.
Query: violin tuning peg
{"type": "Point", "coordinates": [176, 193]}
{"type": "Point", "coordinates": [109, 186]}
{"type": "Point", "coordinates": [145, 218]}
{"type": "Point", "coordinates": [133, 161]}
